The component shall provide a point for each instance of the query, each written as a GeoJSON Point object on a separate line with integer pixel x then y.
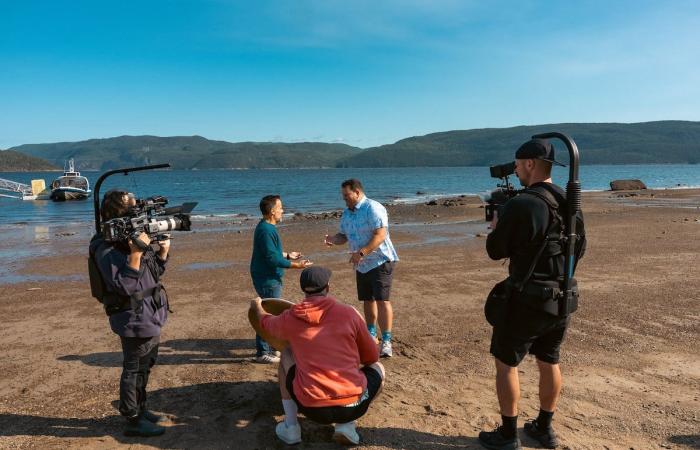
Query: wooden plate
{"type": "Point", "coordinates": [276, 306]}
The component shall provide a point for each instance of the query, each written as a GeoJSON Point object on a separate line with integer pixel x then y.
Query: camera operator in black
{"type": "Point", "coordinates": [137, 310]}
{"type": "Point", "coordinates": [525, 222]}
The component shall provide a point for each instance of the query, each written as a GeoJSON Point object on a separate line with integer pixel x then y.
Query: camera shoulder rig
{"type": "Point", "coordinates": [551, 295]}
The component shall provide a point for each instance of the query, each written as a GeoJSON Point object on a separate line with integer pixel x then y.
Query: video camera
{"type": "Point", "coordinates": [504, 191]}
{"type": "Point", "coordinates": [148, 216]}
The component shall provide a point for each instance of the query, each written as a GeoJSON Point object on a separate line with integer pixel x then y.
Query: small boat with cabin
{"type": "Point", "coordinates": [70, 186]}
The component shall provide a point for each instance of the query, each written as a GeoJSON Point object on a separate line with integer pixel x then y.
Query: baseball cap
{"type": "Point", "coordinates": [314, 279]}
{"type": "Point", "coordinates": [537, 149]}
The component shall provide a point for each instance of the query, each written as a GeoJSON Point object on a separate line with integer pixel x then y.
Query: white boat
{"type": "Point", "coordinates": [70, 186]}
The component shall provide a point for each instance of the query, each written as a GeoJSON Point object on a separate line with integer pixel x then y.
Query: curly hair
{"type": "Point", "coordinates": [113, 204]}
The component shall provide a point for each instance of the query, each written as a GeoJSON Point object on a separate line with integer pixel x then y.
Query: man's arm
{"type": "Point", "coordinates": [374, 243]}
{"type": "Point", "coordinates": [272, 256]}
{"type": "Point", "coordinates": [256, 315]}
{"type": "Point", "coordinates": [499, 240]}
{"type": "Point", "coordinates": [117, 270]}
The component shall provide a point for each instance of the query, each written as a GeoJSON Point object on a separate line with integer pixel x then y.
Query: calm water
{"type": "Point", "coordinates": [230, 192]}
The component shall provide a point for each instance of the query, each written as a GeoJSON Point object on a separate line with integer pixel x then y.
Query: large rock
{"type": "Point", "coordinates": [627, 185]}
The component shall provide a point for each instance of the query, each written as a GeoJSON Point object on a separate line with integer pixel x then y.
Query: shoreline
{"type": "Point", "coordinates": [30, 241]}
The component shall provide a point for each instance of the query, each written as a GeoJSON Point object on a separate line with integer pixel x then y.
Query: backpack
{"type": "Point", "coordinates": [548, 295]}
{"type": "Point", "coordinates": [98, 289]}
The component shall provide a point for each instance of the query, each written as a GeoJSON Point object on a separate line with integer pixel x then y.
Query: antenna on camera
{"type": "Point", "coordinates": [125, 171]}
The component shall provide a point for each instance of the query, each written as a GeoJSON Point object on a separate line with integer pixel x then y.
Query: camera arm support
{"type": "Point", "coordinates": [573, 200]}
{"type": "Point", "coordinates": [98, 184]}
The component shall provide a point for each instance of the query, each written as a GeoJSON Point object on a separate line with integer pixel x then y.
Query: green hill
{"type": "Point", "coordinates": [12, 161]}
{"type": "Point", "coordinates": [189, 152]}
{"type": "Point", "coordinates": [598, 143]}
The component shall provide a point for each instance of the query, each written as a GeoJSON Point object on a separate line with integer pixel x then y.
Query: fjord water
{"type": "Point", "coordinates": [231, 192]}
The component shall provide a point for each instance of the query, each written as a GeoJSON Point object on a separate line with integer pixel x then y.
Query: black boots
{"type": "Point", "coordinates": [144, 425]}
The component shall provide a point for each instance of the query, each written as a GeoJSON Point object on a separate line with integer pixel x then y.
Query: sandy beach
{"type": "Point", "coordinates": [631, 360]}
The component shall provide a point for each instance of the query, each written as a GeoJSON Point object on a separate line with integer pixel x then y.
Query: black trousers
{"type": "Point", "coordinates": [139, 356]}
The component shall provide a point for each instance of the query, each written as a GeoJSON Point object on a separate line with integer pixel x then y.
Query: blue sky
{"type": "Point", "coordinates": [361, 72]}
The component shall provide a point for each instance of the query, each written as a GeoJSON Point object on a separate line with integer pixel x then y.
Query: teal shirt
{"type": "Point", "coordinates": [267, 263]}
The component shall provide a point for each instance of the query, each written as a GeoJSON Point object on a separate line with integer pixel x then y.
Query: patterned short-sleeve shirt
{"type": "Point", "coordinates": [358, 226]}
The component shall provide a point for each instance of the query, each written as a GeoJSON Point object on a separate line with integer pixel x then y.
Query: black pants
{"type": "Point", "coordinates": [139, 356]}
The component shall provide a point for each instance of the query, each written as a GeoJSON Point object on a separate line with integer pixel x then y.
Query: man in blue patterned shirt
{"type": "Point", "coordinates": [365, 227]}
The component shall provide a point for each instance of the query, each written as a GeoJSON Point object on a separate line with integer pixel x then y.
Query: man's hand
{"type": "Point", "coordinates": [143, 237]}
{"type": "Point", "coordinates": [494, 221]}
{"type": "Point", "coordinates": [164, 248]}
{"type": "Point", "coordinates": [134, 258]}
{"type": "Point", "coordinates": [294, 255]}
{"type": "Point", "coordinates": [303, 264]}
{"type": "Point", "coordinates": [355, 258]}
{"type": "Point", "coordinates": [256, 303]}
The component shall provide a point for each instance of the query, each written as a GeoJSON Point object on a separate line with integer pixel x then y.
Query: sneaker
{"type": "Point", "coordinates": [545, 437]}
{"type": "Point", "coordinates": [267, 358]}
{"type": "Point", "coordinates": [385, 350]}
{"type": "Point", "coordinates": [143, 427]}
{"type": "Point", "coordinates": [275, 353]}
{"type": "Point", "coordinates": [153, 418]}
{"type": "Point", "coordinates": [494, 440]}
{"type": "Point", "coordinates": [346, 434]}
{"type": "Point", "coordinates": [288, 435]}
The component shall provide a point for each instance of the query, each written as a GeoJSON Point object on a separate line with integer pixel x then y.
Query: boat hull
{"type": "Point", "coordinates": [62, 195]}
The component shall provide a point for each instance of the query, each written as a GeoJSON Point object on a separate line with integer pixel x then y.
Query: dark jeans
{"type": "Point", "coordinates": [139, 356]}
{"type": "Point", "coordinates": [268, 291]}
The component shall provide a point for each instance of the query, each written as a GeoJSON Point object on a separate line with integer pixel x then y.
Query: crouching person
{"type": "Point", "coordinates": [329, 370]}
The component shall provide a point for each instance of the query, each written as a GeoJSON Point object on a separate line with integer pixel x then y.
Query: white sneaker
{"type": "Point", "coordinates": [385, 350]}
{"type": "Point", "coordinates": [345, 434]}
{"type": "Point", "coordinates": [275, 353]}
{"type": "Point", "coordinates": [288, 435]}
{"type": "Point", "coordinates": [267, 358]}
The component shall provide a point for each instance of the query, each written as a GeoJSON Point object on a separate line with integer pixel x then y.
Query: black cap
{"type": "Point", "coordinates": [537, 149]}
{"type": "Point", "coordinates": [314, 279]}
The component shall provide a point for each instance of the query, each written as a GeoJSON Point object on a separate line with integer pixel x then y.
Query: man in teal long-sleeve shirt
{"type": "Point", "coordinates": [268, 263]}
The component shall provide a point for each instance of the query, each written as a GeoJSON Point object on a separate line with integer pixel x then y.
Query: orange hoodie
{"type": "Point", "coordinates": [330, 342]}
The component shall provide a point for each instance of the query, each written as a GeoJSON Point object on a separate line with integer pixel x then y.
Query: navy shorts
{"type": "Point", "coordinates": [528, 331]}
{"type": "Point", "coordinates": [338, 414]}
{"type": "Point", "coordinates": [375, 284]}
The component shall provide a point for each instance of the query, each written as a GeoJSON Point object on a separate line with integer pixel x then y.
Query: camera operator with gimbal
{"type": "Point", "coordinates": [137, 306]}
{"type": "Point", "coordinates": [528, 229]}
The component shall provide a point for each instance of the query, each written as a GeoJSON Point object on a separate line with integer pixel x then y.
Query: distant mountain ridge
{"type": "Point", "coordinates": [658, 142]}
{"type": "Point", "coordinates": [189, 152]}
{"type": "Point", "coordinates": [12, 161]}
{"type": "Point", "coordinates": [662, 142]}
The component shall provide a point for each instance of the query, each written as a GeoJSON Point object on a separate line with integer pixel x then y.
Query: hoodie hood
{"type": "Point", "coordinates": [312, 309]}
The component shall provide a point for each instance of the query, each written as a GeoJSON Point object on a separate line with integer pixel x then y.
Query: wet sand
{"type": "Point", "coordinates": [631, 361]}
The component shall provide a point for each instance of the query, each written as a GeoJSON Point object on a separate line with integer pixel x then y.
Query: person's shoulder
{"type": "Point", "coordinates": [349, 312]}
{"type": "Point", "coordinates": [265, 227]}
{"type": "Point", "coordinates": [545, 193]}
{"type": "Point", "coordinates": [374, 205]}
{"type": "Point", "coordinates": [523, 204]}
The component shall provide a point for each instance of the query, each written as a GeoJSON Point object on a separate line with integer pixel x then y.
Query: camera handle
{"type": "Point", "coordinates": [573, 201]}
{"type": "Point", "coordinates": [125, 171]}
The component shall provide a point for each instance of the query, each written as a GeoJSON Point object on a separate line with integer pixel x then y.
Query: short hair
{"type": "Point", "coordinates": [113, 204]}
{"type": "Point", "coordinates": [545, 165]}
{"type": "Point", "coordinates": [354, 184]}
{"type": "Point", "coordinates": [267, 203]}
